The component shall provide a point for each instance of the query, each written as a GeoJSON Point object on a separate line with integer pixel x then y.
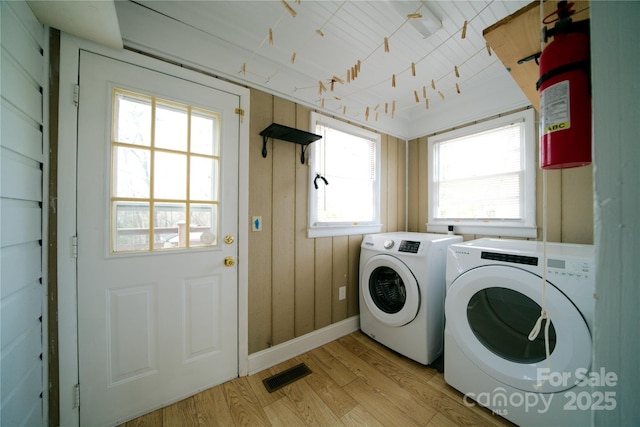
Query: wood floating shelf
{"type": "Point", "coordinates": [286, 133]}
{"type": "Point", "coordinates": [517, 38]}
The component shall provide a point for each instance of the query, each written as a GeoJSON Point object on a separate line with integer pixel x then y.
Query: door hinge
{"type": "Point", "coordinates": [76, 396]}
{"type": "Point", "coordinates": [74, 246]}
{"type": "Point", "coordinates": [76, 95]}
{"type": "Point", "coordinates": [240, 111]}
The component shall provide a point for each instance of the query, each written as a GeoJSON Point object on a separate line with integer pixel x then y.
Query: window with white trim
{"type": "Point", "coordinates": [482, 178]}
{"type": "Point", "coordinates": [345, 167]}
{"type": "Point", "coordinates": [164, 173]}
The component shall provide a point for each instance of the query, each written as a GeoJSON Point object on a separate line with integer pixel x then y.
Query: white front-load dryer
{"type": "Point", "coordinates": [402, 288]}
{"type": "Point", "coordinates": [495, 296]}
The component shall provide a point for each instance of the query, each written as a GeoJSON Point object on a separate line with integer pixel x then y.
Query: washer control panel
{"type": "Point", "coordinates": [409, 246]}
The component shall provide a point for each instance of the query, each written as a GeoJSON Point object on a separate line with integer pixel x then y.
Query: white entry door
{"type": "Point", "coordinates": [156, 229]}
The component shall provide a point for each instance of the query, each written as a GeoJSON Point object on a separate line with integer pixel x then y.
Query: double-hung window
{"type": "Point", "coordinates": [482, 178]}
{"type": "Point", "coordinates": [347, 158]}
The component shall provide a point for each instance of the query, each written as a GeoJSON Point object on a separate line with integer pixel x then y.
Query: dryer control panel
{"type": "Point", "coordinates": [571, 268]}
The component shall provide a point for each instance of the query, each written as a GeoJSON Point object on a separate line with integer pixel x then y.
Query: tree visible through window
{"type": "Point", "coordinates": [165, 159]}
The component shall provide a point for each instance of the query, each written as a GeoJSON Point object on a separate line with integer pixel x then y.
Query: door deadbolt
{"type": "Point", "coordinates": [228, 239]}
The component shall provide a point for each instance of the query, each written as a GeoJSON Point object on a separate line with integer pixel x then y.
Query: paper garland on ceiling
{"type": "Point", "coordinates": [352, 72]}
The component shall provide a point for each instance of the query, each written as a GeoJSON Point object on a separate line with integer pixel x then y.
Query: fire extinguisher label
{"type": "Point", "coordinates": [554, 107]}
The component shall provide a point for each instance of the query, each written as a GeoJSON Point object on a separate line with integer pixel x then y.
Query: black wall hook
{"type": "Point", "coordinates": [315, 180]}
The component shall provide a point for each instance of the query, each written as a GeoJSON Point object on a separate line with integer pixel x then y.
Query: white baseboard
{"type": "Point", "coordinates": [272, 356]}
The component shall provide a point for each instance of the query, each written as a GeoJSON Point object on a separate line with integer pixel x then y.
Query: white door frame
{"type": "Point", "coordinates": [70, 47]}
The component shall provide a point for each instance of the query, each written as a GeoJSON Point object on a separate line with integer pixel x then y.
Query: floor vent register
{"type": "Point", "coordinates": [286, 377]}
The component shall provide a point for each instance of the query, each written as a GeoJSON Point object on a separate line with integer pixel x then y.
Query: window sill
{"type": "Point", "coordinates": [502, 230]}
{"type": "Point", "coordinates": [342, 230]}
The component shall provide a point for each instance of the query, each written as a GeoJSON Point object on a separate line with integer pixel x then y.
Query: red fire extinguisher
{"type": "Point", "coordinates": [565, 93]}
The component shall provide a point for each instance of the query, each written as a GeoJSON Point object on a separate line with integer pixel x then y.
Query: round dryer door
{"type": "Point", "coordinates": [491, 311]}
{"type": "Point", "coordinates": [390, 290]}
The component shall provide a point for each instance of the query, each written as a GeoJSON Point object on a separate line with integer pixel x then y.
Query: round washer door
{"type": "Point", "coordinates": [490, 312]}
{"type": "Point", "coordinates": [390, 290]}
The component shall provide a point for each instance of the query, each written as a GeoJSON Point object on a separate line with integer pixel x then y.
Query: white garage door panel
{"type": "Point", "coordinates": [21, 178]}
{"type": "Point", "coordinates": [21, 222]}
{"type": "Point", "coordinates": [20, 312]}
{"type": "Point", "coordinates": [21, 357]}
{"type": "Point", "coordinates": [20, 45]}
{"type": "Point", "coordinates": [21, 265]}
{"type": "Point", "coordinates": [18, 87]}
{"type": "Point", "coordinates": [20, 134]}
{"type": "Point", "coordinates": [23, 81]}
{"type": "Point", "coordinates": [23, 403]}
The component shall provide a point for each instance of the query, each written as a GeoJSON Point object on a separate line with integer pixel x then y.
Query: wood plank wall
{"type": "Point", "coordinates": [294, 280]}
{"type": "Point", "coordinates": [569, 199]}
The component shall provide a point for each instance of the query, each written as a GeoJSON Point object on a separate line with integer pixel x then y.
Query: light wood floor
{"type": "Point", "coordinates": [354, 382]}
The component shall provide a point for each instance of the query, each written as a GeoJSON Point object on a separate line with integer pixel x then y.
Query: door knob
{"type": "Point", "coordinates": [229, 261]}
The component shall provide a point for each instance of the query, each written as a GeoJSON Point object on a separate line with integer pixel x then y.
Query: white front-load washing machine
{"type": "Point", "coordinates": [494, 298]}
{"type": "Point", "coordinates": [402, 291]}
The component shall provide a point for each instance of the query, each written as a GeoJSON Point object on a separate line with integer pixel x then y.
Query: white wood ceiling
{"type": "Point", "coordinates": [353, 31]}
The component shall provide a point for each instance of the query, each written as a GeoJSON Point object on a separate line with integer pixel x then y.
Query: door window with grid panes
{"type": "Point", "coordinates": [165, 175]}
